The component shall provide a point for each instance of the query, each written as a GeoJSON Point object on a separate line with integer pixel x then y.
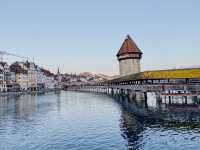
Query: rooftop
{"type": "Point", "coordinates": [162, 74]}
{"type": "Point", "coordinates": [128, 46]}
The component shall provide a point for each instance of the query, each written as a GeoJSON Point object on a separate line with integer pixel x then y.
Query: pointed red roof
{"type": "Point", "coordinates": [128, 46]}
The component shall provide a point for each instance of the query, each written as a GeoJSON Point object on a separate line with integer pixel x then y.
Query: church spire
{"type": "Point", "coordinates": [58, 72]}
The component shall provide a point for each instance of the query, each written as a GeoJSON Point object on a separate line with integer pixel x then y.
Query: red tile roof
{"type": "Point", "coordinates": [128, 46]}
{"type": "Point", "coordinates": [17, 68]}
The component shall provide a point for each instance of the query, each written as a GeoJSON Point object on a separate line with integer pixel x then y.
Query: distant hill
{"type": "Point", "coordinates": [98, 76]}
{"type": "Point", "coordinates": [187, 67]}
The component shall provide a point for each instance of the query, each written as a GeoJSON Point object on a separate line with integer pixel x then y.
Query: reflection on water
{"type": "Point", "coordinates": [131, 130]}
{"type": "Point", "coordinates": [144, 133]}
{"type": "Point", "coordinates": [72, 120]}
{"type": "Point", "coordinates": [180, 109]}
{"type": "Point", "coordinates": [156, 124]}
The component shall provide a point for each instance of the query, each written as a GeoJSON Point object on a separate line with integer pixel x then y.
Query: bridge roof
{"type": "Point", "coordinates": [128, 46]}
{"type": "Point", "coordinates": [162, 74]}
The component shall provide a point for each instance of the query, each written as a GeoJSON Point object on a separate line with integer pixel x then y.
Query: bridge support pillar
{"type": "Point", "coordinates": [140, 96]}
{"type": "Point", "coordinates": [132, 96]}
{"type": "Point", "coordinates": [108, 91]}
{"type": "Point", "coordinates": [128, 94]}
{"type": "Point", "coordinates": [112, 92]}
{"type": "Point", "coordinates": [186, 101]}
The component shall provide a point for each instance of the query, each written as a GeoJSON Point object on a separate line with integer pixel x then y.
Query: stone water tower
{"type": "Point", "coordinates": [129, 57]}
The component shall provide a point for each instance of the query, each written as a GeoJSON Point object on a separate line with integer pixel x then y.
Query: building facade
{"type": "Point", "coordinates": [32, 76]}
{"type": "Point", "coordinates": [21, 75]}
{"type": "Point", "coordinates": [48, 79]}
{"type": "Point", "coordinates": [26, 76]}
{"type": "Point", "coordinates": [22, 79]}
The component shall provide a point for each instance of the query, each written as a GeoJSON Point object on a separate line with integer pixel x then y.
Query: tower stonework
{"type": "Point", "coordinates": [129, 57]}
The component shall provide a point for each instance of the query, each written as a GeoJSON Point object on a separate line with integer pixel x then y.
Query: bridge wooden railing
{"type": "Point", "coordinates": [146, 87]}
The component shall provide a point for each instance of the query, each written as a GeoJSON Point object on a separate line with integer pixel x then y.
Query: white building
{"type": "Point", "coordinates": [48, 79]}
{"type": "Point", "coordinates": [4, 76]}
{"type": "Point", "coordinates": [3, 87]}
{"type": "Point", "coordinates": [41, 78]}
{"type": "Point", "coordinates": [1, 75]}
{"type": "Point", "coordinates": [32, 75]}
{"type": "Point", "coordinates": [50, 82]}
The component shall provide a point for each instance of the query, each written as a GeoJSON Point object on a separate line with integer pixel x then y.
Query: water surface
{"type": "Point", "coordinates": [73, 120]}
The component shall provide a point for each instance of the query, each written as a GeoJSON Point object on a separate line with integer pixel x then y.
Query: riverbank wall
{"type": "Point", "coordinates": [28, 92]}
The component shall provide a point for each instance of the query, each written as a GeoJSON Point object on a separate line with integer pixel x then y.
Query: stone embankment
{"type": "Point", "coordinates": [28, 92]}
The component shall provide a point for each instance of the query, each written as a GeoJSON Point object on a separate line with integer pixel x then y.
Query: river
{"type": "Point", "coordinates": [84, 121]}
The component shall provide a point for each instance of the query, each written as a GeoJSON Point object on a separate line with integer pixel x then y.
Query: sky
{"type": "Point", "coordinates": [85, 35]}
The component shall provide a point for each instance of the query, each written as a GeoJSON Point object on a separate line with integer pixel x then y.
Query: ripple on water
{"type": "Point", "coordinates": [72, 120]}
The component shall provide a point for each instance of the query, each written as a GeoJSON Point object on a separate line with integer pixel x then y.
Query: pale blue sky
{"type": "Point", "coordinates": [85, 35]}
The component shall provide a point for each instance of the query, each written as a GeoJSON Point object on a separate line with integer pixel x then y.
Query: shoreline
{"type": "Point", "coordinates": [28, 92]}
